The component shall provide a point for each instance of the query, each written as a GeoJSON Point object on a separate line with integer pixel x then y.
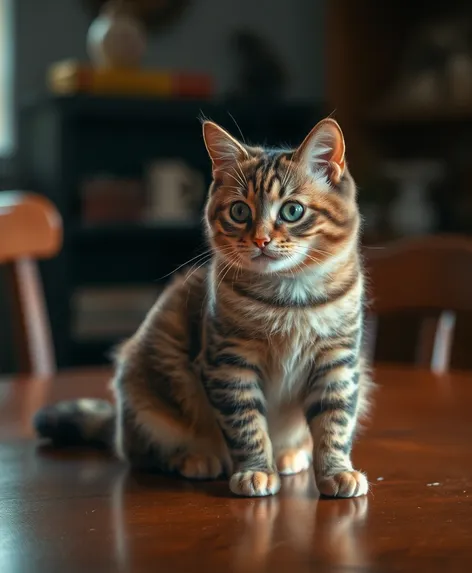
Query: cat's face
{"type": "Point", "coordinates": [276, 211]}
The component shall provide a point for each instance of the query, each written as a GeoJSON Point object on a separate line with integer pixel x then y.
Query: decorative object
{"type": "Point", "coordinates": [70, 77]}
{"type": "Point", "coordinates": [154, 14]}
{"type": "Point", "coordinates": [412, 212]}
{"type": "Point", "coordinates": [261, 73]}
{"type": "Point", "coordinates": [377, 194]}
{"type": "Point", "coordinates": [116, 38]}
{"type": "Point", "coordinates": [437, 66]}
{"type": "Point", "coordinates": [106, 198]}
{"type": "Point", "coordinates": [459, 76]}
{"type": "Point", "coordinates": [176, 191]}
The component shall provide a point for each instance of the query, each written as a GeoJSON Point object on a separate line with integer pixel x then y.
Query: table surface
{"type": "Point", "coordinates": [81, 511]}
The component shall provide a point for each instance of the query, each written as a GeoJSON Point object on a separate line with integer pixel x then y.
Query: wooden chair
{"type": "Point", "coordinates": [30, 229]}
{"type": "Point", "coordinates": [431, 274]}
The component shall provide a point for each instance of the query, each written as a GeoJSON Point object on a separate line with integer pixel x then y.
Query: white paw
{"type": "Point", "coordinates": [343, 484]}
{"type": "Point", "coordinates": [293, 462]}
{"type": "Point", "coordinates": [254, 483]}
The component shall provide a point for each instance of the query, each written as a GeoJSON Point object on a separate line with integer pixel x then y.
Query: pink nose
{"type": "Point", "coordinates": [261, 242]}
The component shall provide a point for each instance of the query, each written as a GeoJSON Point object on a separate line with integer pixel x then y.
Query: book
{"type": "Point", "coordinates": [110, 312]}
{"type": "Point", "coordinates": [107, 198]}
{"type": "Point", "coordinates": [70, 77]}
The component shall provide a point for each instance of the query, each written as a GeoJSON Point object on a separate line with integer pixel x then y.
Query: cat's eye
{"type": "Point", "coordinates": [240, 212]}
{"type": "Point", "coordinates": [291, 211]}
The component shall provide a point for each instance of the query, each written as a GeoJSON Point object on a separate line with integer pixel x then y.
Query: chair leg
{"type": "Point", "coordinates": [435, 342]}
{"type": "Point", "coordinates": [443, 341]}
{"type": "Point", "coordinates": [30, 319]}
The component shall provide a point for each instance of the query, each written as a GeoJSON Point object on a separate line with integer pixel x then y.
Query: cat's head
{"type": "Point", "coordinates": [283, 211]}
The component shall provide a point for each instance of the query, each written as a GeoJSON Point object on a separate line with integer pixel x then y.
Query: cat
{"type": "Point", "coordinates": [250, 366]}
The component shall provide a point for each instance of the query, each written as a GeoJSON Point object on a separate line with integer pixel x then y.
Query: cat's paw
{"type": "Point", "coordinates": [293, 461]}
{"type": "Point", "coordinates": [343, 484]}
{"type": "Point", "coordinates": [196, 466]}
{"type": "Point", "coordinates": [254, 483]}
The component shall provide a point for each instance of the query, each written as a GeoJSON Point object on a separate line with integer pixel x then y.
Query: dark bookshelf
{"type": "Point", "coordinates": [64, 139]}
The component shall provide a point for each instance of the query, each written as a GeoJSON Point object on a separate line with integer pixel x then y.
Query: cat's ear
{"type": "Point", "coordinates": [323, 151]}
{"type": "Point", "coordinates": [224, 150]}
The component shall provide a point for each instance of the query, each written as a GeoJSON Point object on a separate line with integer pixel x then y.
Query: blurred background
{"type": "Point", "coordinates": [99, 112]}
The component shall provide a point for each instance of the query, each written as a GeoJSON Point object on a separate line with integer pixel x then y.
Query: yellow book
{"type": "Point", "coordinates": [72, 77]}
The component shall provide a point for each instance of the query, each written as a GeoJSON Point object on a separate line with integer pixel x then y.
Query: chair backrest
{"type": "Point", "coordinates": [431, 274]}
{"type": "Point", "coordinates": [30, 229]}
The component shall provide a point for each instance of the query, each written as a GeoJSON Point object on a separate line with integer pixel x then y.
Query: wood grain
{"type": "Point", "coordinates": [82, 511]}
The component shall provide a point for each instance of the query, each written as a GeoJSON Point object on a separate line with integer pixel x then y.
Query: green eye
{"type": "Point", "coordinates": [240, 212]}
{"type": "Point", "coordinates": [292, 212]}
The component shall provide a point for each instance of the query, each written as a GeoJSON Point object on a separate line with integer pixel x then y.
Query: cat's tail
{"type": "Point", "coordinates": [86, 421]}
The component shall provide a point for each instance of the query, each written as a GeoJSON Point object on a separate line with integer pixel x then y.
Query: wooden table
{"type": "Point", "coordinates": [83, 512]}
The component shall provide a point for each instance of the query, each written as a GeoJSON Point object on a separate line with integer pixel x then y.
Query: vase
{"type": "Point", "coordinates": [412, 212]}
{"type": "Point", "coordinates": [116, 38]}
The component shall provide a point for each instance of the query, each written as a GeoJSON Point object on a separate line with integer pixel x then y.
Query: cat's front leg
{"type": "Point", "coordinates": [234, 389]}
{"type": "Point", "coordinates": [331, 407]}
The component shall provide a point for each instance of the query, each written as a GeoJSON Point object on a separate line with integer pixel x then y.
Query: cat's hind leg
{"type": "Point", "coordinates": [193, 465]}
{"type": "Point", "coordinates": [294, 460]}
{"type": "Point", "coordinates": [156, 440]}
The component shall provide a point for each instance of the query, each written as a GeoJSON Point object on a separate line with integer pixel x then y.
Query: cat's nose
{"type": "Point", "coordinates": [261, 242]}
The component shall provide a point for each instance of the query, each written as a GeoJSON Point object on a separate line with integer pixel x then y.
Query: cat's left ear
{"type": "Point", "coordinates": [323, 150]}
{"type": "Point", "coordinates": [224, 150]}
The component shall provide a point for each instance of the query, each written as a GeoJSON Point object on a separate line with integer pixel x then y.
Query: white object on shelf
{"type": "Point", "coordinates": [115, 38]}
{"type": "Point", "coordinates": [459, 71]}
{"type": "Point", "coordinates": [412, 213]}
{"type": "Point", "coordinates": [176, 191]}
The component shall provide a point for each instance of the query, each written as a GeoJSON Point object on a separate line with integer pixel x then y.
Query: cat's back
{"type": "Point", "coordinates": [176, 315]}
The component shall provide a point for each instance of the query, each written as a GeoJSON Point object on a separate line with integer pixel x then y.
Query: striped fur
{"type": "Point", "coordinates": [251, 366]}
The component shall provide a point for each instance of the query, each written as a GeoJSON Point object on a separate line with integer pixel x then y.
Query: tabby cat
{"type": "Point", "coordinates": [249, 367]}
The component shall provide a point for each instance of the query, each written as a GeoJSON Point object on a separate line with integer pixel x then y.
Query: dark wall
{"type": "Point", "coordinates": [52, 30]}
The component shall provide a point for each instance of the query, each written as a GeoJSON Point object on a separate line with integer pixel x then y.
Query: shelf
{"type": "Point", "coordinates": [93, 352]}
{"type": "Point", "coordinates": [420, 115]}
{"type": "Point", "coordinates": [134, 232]}
{"type": "Point", "coordinates": [82, 135]}
{"type": "Point", "coordinates": [175, 111]}
{"type": "Point", "coordinates": [127, 253]}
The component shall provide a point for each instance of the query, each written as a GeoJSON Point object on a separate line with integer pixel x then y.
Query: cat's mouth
{"type": "Point", "coordinates": [262, 256]}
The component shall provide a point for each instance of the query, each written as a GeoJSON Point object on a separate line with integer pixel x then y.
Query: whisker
{"type": "Point", "coordinates": [321, 252]}
{"type": "Point", "coordinates": [237, 125]}
{"type": "Point", "coordinates": [238, 177]}
{"type": "Point", "coordinates": [301, 252]}
{"type": "Point", "coordinates": [232, 187]}
{"type": "Point", "coordinates": [220, 273]}
{"type": "Point", "coordinates": [241, 172]}
{"type": "Point", "coordinates": [223, 277]}
{"type": "Point", "coordinates": [235, 178]}
{"type": "Point", "coordinates": [287, 173]}
{"type": "Point", "coordinates": [205, 253]}
{"type": "Point", "coordinates": [196, 269]}
{"type": "Point", "coordinates": [207, 258]}
{"type": "Point", "coordinates": [233, 193]}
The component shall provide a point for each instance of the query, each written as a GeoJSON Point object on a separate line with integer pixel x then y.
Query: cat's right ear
{"type": "Point", "coordinates": [224, 150]}
{"type": "Point", "coordinates": [323, 150]}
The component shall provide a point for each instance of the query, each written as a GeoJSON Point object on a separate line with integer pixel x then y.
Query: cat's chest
{"type": "Point", "coordinates": [301, 326]}
{"type": "Point", "coordinates": [287, 365]}
{"type": "Point", "coordinates": [293, 348]}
